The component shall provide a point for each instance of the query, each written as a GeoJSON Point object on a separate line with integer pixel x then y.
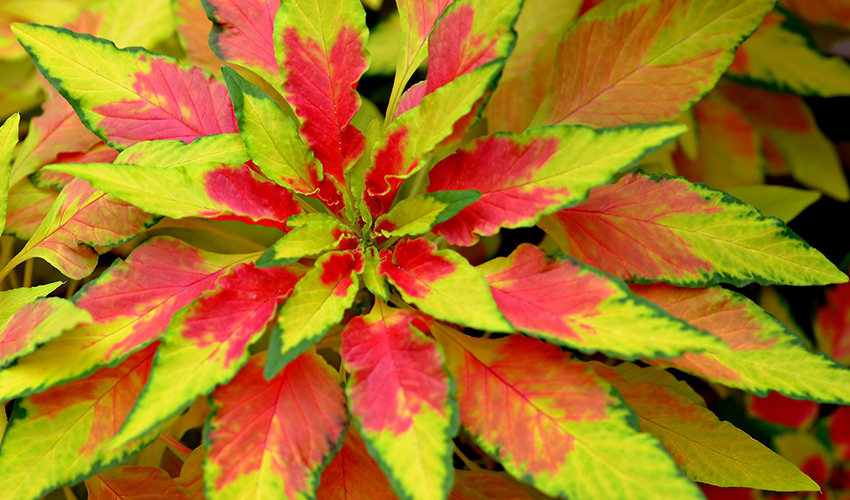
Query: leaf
{"type": "Point", "coordinates": [436, 281]}
{"type": "Point", "coordinates": [8, 140]}
{"type": "Point", "coordinates": [222, 149]}
{"type": "Point", "coordinates": [782, 202]}
{"type": "Point", "coordinates": [206, 342]}
{"type": "Point", "coordinates": [272, 137]}
{"type": "Point", "coordinates": [193, 31]}
{"type": "Point", "coordinates": [762, 352]}
{"type": "Point", "coordinates": [243, 33]}
{"type": "Point", "coordinates": [35, 324]}
{"type": "Point", "coordinates": [310, 239]}
{"type": "Point", "coordinates": [131, 303]}
{"type": "Point", "coordinates": [320, 45]}
{"type": "Point", "coordinates": [452, 97]}
{"type": "Point", "coordinates": [417, 19]}
{"type": "Point", "coordinates": [132, 482]}
{"type": "Point", "coordinates": [707, 450]}
{"type": "Point", "coordinates": [79, 219]}
{"type": "Point", "coordinates": [63, 435]}
{"type": "Point", "coordinates": [129, 95]}
{"type": "Point", "coordinates": [271, 439]}
{"type": "Point", "coordinates": [667, 229]}
{"type": "Point", "coordinates": [646, 63]}
{"type": "Point", "coordinates": [192, 474]}
{"type": "Point", "coordinates": [551, 422]}
{"type": "Point", "coordinates": [470, 485]}
{"type": "Point", "coordinates": [827, 12]}
{"type": "Point", "coordinates": [832, 324]}
{"type": "Point", "coordinates": [14, 300]}
{"type": "Point", "coordinates": [571, 304]}
{"type": "Point", "coordinates": [211, 191]}
{"type": "Point", "coordinates": [781, 56]}
{"type": "Point", "coordinates": [142, 24]}
{"type": "Point", "coordinates": [729, 147]}
{"type": "Point", "coordinates": [318, 302]}
{"type": "Point", "coordinates": [470, 34]}
{"type": "Point", "coordinates": [353, 474]}
{"type": "Point", "coordinates": [373, 280]}
{"type": "Point", "coordinates": [402, 399]}
{"type": "Point", "coordinates": [418, 214]}
{"type": "Point", "coordinates": [539, 172]}
{"type": "Point", "coordinates": [776, 408]}
{"type": "Point", "coordinates": [528, 72]}
{"type": "Point", "coordinates": [790, 131]}
{"type": "Point", "coordinates": [27, 206]}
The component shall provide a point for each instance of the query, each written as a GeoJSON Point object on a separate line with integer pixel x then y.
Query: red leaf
{"type": "Point", "coordinates": [272, 437]}
{"type": "Point", "coordinates": [354, 475]}
{"type": "Point", "coordinates": [133, 482]}
{"type": "Point", "coordinates": [243, 33]}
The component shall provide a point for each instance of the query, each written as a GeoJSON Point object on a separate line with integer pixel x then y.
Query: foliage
{"type": "Point", "coordinates": [346, 303]}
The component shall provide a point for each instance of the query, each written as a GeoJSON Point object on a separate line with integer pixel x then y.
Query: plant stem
{"type": "Point", "coordinates": [469, 463]}
{"type": "Point", "coordinates": [28, 273]}
{"type": "Point", "coordinates": [72, 288]}
{"type": "Point", "coordinates": [69, 494]}
{"type": "Point", "coordinates": [176, 447]}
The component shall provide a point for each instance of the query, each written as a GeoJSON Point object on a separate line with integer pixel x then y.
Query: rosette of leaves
{"type": "Point", "coordinates": [342, 360]}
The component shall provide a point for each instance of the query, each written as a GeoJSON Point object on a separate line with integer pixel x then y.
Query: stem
{"type": "Point", "coordinates": [28, 273]}
{"type": "Point", "coordinates": [469, 463]}
{"type": "Point", "coordinates": [69, 494]}
{"type": "Point", "coordinates": [7, 272]}
{"type": "Point", "coordinates": [176, 447]}
{"type": "Point", "coordinates": [72, 288]}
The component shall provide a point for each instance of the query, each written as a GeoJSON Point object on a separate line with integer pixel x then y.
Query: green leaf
{"type": "Point", "coordinates": [312, 238]}
{"type": "Point", "coordinates": [417, 215]}
{"type": "Point", "coordinates": [707, 450]}
{"type": "Point", "coordinates": [8, 140]}
{"type": "Point", "coordinates": [318, 302]}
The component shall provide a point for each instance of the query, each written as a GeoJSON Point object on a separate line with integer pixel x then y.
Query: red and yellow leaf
{"type": "Point", "coordinates": [133, 482]}
{"type": "Point", "coordinates": [11, 301]}
{"type": "Point", "coordinates": [648, 228]}
{"type": "Point", "coordinates": [449, 102]}
{"type": "Point", "coordinates": [272, 438]}
{"type": "Point", "coordinates": [26, 208]}
{"type": "Point", "coordinates": [647, 62]}
{"type": "Point", "coordinates": [57, 130]}
{"type": "Point", "coordinates": [321, 63]}
{"type": "Point", "coordinates": [60, 436]}
{"type": "Point", "coordinates": [551, 422]}
{"type": "Point", "coordinates": [36, 323]}
{"type": "Point", "coordinates": [418, 214]}
{"type": "Point", "coordinates": [528, 72]}
{"type": "Point", "coordinates": [131, 305]}
{"type": "Point", "coordinates": [707, 449]}
{"type": "Point", "coordinates": [574, 305]}
{"type": "Point", "coordinates": [729, 147]}
{"type": "Point", "coordinates": [136, 96]}
{"type": "Point", "coordinates": [243, 33]}
{"type": "Point", "coordinates": [401, 399]}
{"type": "Point", "coordinates": [417, 19]}
{"type": "Point", "coordinates": [318, 302]}
{"type": "Point", "coordinates": [196, 185]}
{"type": "Point", "coordinates": [82, 218]}
{"type": "Point", "coordinates": [792, 139]}
{"type": "Point", "coordinates": [353, 474]}
{"type": "Point", "coordinates": [762, 350]}
{"type": "Point", "coordinates": [436, 281]}
{"type": "Point", "coordinates": [523, 177]}
{"type": "Point", "coordinates": [780, 57]}
{"type": "Point", "coordinates": [206, 343]}
{"type": "Point", "coordinates": [193, 31]}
